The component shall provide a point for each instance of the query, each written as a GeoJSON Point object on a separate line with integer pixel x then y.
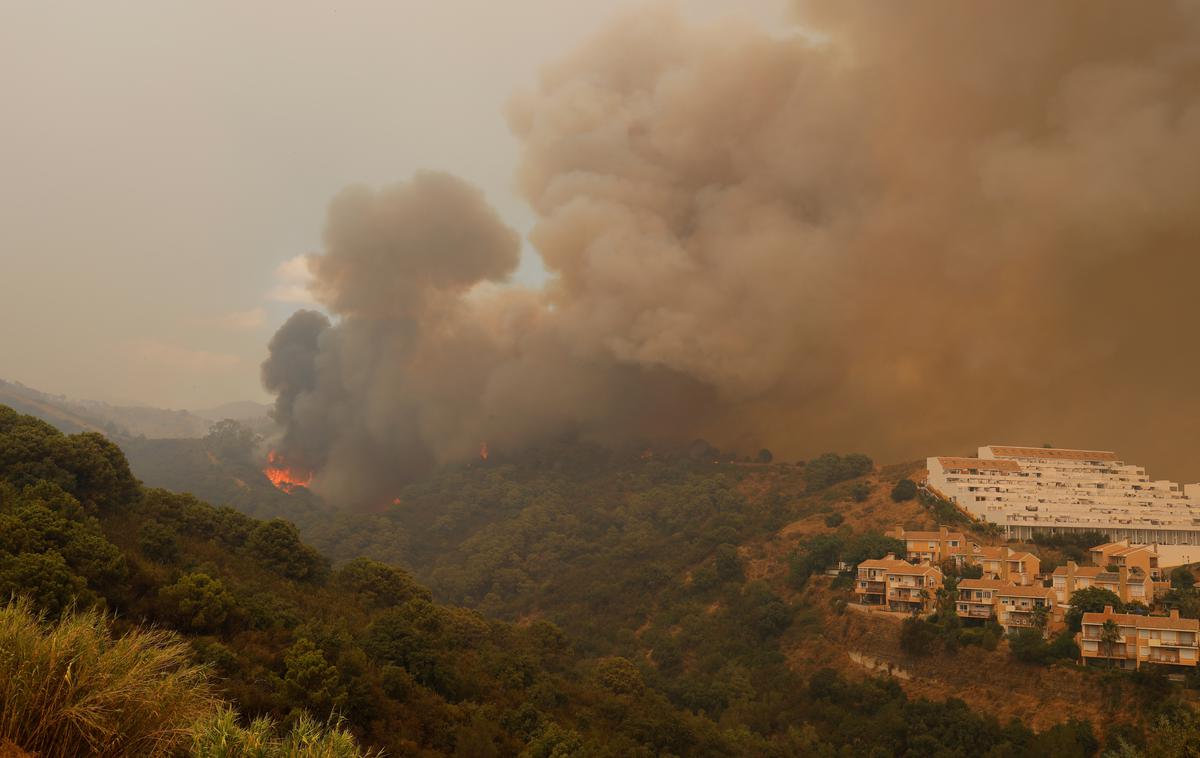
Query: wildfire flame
{"type": "Point", "coordinates": [282, 477]}
{"type": "Point", "coordinates": [483, 452]}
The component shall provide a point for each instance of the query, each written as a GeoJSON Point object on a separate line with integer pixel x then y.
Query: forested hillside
{"type": "Point", "coordinates": [286, 633]}
{"type": "Point", "coordinates": [695, 575]}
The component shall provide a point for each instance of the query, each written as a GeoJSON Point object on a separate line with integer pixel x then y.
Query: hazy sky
{"type": "Point", "coordinates": [160, 161]}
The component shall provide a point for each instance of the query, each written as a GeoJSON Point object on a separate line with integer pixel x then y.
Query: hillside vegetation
{"type": "Point", "coordinates": [695, 576]}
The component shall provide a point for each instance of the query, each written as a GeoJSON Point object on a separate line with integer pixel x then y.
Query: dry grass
{"type": "Point", "coordinates": [70, 689]}
{"type": "Point", "coordinates": [223, 737]}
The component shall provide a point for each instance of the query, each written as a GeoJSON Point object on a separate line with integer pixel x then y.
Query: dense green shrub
{"type": "Point", "coordinates": [828, 469]}
{"type": "Point", "coordinates": [905, 489]}
{"type": "Point", "coordinates": [197, 602]}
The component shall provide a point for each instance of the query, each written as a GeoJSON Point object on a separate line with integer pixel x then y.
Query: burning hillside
{"type": "Point", "coordinates": [283, 477]}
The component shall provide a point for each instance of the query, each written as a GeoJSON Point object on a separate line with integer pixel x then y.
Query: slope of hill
{"type": "Point", "coordinates": [114, 420]}
{"type": "Point", "coordinates": [685, 568]}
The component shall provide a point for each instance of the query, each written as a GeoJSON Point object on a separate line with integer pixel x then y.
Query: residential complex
{"type": "Point", "coordinates": [1033, 489]}
{"type": "Point", "coordinates": [1012, 594]}
{"type": "Point", "coordinates": [1011, 606]}
{"type": "Point", "coordinates": [897, 584]}
{"type": "Point", "coordinates": [934, 548]}
{"type": "Point", "coordinates": [1132, 640]}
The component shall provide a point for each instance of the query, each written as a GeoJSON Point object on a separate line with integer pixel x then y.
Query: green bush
{"type": "Point", "coordinates": [918, 637]}
{"type": "Point", "coordinates": [197, 602]}
{"type": "Point", "coordinates": [277, 544]}
{"type": "Point", "coordinates": [157, 542]}
{"type": "Point", "coordinates": [830, 468]}
{"type": "Point", "coordinates": [45, 579]}
{"type": "Point", "coordinates": [378, 584]}
{"type": "Point", "coordinates": [905, 489]}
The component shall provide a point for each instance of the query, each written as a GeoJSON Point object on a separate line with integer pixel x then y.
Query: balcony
{"type": "Point", "coordinates": [976, 613]}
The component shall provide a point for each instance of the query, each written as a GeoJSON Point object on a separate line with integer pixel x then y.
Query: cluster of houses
{"type": "Point", "coordinates": [1013, 593]}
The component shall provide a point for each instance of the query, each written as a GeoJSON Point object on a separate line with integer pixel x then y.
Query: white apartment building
{"type": "Point", "coordinates": [1035, 489]}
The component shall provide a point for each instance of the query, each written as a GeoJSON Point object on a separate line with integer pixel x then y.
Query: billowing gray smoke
{"type": "Point", "coordinates": [943, 224]}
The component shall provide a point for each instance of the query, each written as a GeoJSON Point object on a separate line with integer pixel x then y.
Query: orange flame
{"type": "Point", "coordinates": [282, 477]}
{"type": "Point", "coordinates": [483, 452]}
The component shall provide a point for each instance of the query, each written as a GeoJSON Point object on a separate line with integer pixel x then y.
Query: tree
{"type": "Point", "coordinates": [619, 675]}
{"type": "Point", "coordinates": [1090, 600]}
{"type": "Point", "coordinates": [830, 468]}
{"type": "Point", "coordinates": [378, 584]}
{"type": "Point", "coordinates": [158, 543]}
{"type": "Point", "coordinates": [905, 489]}
{"type": "Point", "coordinates": [311, 681]}
{"type": "Point", "coordinates": [231, 441]}
{"type": "Point", "coordinates": [1041, 617]}
{"type": "Point", "coordinates": [860, 492]}
{"type": "Point", "coordinates": [1182, 578]}
{"type": "Point", "coordinates": [45, 579]}
{"type": "Point", "coordinates": [197, 602]}
{"type": "Point", "coordinates": [1027, 646]}
{"type": "Point", "coordinates": [917, 637]}
{"type": "Point", "coordinates": [728, 564]}
{"type": "Point", "coordinates": [764, 456]}
{"type": "Point", "coordinates": [1110, 635]}
{"type": "Point", "coordinates": [834, 519]}
{"type": "Point", "coordinates": [277, 544]}
{"type": "Point", "coordinates": [971, 571]}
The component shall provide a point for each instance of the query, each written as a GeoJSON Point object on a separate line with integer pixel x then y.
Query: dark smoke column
{"type": "Point", "coordinates": [385, 390]}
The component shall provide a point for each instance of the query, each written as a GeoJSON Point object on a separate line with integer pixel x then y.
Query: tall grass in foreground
{"type": "Point", "coordinates": [70, 689]}
{"type": "Point", "coordinates": [222, 737]}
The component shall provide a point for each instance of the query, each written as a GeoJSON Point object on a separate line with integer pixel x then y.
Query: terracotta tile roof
{"type": "Point", "coordinates": [996, 553]}
{"type": "Point", "coordinates": [885, 563]}
{"type": "Point", "coordinates": [1132, 549]}
{"type": "Point", "coordinates": [1085, 571]}
{"type": "Point", "coordinates": [1053, 453]}
{"type": "Point", "coordinates": [1143, 622]}
{"type": "Point", "coordinates": [982, 464]}
{"type": "Point", "coordinates": [1107, 546]}
{"type": "Point", "coordinates": [897, 566]}
{"type": "Point", "coordinates": [929, 535]}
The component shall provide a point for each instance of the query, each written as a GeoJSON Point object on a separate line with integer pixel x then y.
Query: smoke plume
{"type": "Point", "coordinates": [913, 229]}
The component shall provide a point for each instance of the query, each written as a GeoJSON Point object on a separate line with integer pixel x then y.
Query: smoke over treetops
{"type": "Point", "coordinates": [942, 225]}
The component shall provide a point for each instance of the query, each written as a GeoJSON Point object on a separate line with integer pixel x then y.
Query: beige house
{"type": "Point", "coordinates": [1007, 565]}
{"type": "Point", "coordinates": [931, 547]}
{"type": "Point", "coordinates": [1167, 640]}
{"type": "Point", "coordinates": [1013, 607]}
{"type": "Point", "coordinates": [1144, 557]}
{"type": "Point", "coordinates": [898, 584]}
{"type": "Point", "coordinates": [1130, 586]}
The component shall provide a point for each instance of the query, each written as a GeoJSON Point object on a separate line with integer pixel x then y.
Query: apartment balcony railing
{"type": "Point", "coordinates": [1165, 659]}
{"type": "Point", "coordinates": [981, 613]}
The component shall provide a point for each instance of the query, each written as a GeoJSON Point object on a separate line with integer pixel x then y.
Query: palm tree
{"type": "Point", "coordinates": [1110, 635]}
{"type": "Point", "coordinates": [1041, 617]}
